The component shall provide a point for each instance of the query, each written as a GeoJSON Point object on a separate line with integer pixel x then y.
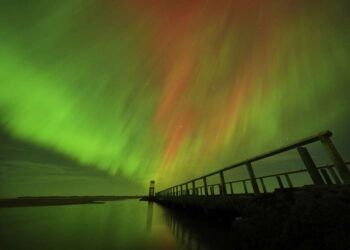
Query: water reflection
{"type": "Point", "coordinates": [194, 232]}
{"type": "Point", "coordinates": [128, 224]}
{"type": "Point", "coordinates": [149, 219]}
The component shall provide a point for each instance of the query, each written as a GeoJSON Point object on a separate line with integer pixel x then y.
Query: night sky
{"type": "Point", "coordinates": [101, 96]}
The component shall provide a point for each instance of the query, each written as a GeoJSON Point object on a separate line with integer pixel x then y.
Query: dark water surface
{"type": "Point", "coordinates": [125, 224]}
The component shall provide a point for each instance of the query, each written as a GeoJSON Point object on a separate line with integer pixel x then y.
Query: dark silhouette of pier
{"type": "Point", "coordinates": [336, 173]}
{"type": "Point", "coordinates": [292, 215]}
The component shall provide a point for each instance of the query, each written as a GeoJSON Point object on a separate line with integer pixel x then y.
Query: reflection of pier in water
{"type": "Point", "coordinates": [193, 233]}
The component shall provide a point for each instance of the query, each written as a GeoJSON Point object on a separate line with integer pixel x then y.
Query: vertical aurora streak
{"type": "Point", "coordinates": [172, 89]}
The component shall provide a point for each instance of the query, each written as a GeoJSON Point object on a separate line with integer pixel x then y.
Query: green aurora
{"type": "Point", "coordinates": [169, 90]}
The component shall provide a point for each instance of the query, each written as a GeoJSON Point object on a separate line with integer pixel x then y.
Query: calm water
{"type": "Point", "coordinates": [125, 224]}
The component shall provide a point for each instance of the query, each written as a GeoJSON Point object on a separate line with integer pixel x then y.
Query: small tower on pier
{"type": "Point", "coordinates": [151, 188]}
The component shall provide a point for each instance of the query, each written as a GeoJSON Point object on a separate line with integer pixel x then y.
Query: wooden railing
{"type": "Point", "coordinates": [336, 173]}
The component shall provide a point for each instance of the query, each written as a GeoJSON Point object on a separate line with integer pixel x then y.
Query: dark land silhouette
{"type": "Point", "coordinates": [60, 200]}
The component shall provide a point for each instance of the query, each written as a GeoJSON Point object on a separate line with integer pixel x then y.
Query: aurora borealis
{"type": "Point", "coordinates": [168, 90]}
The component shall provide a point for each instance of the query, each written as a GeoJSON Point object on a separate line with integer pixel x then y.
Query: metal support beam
{"type": "Point", "coordinates": [310, 166]}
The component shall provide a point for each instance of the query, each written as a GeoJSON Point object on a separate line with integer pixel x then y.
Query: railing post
{"type": "Point", "coordinates": [280, 183]}
{"type": "Point", "coordinates": [223, 185]}
{"type": "Point", "coordinates": [334, 175]}
{"type": "Point", "coordinates": [290, 184]}
{"type": "Point", "coordinates": [187, 191]}
{"type": "Point", "coordinates": [310, 166]}
{"type": "Point", "coordinates": [245, 187]}
{"type": "Point", "coordinates": [252, 178]}
{"type": "Point", "coordinates": [263, 185]}
{"type": "Point", "coordinates": [231, 188]}
{"type": "Point", "coordinates": [205, 186]}
{"type": "Point", "coordinates": [326, 176]}
{"type": "Point", "coordinates": [194, 189]}
{"type": "Point", "coordinates": [336, 158]}
{"type": "Point", "coordinates": [181, 190]}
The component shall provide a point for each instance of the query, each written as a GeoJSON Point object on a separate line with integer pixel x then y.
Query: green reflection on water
{"type": "Point", "coordinates": [126, 224]}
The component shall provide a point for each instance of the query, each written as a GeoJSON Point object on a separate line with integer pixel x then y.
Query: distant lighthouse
{"type": "Point", "coordinates": [151, 188]}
